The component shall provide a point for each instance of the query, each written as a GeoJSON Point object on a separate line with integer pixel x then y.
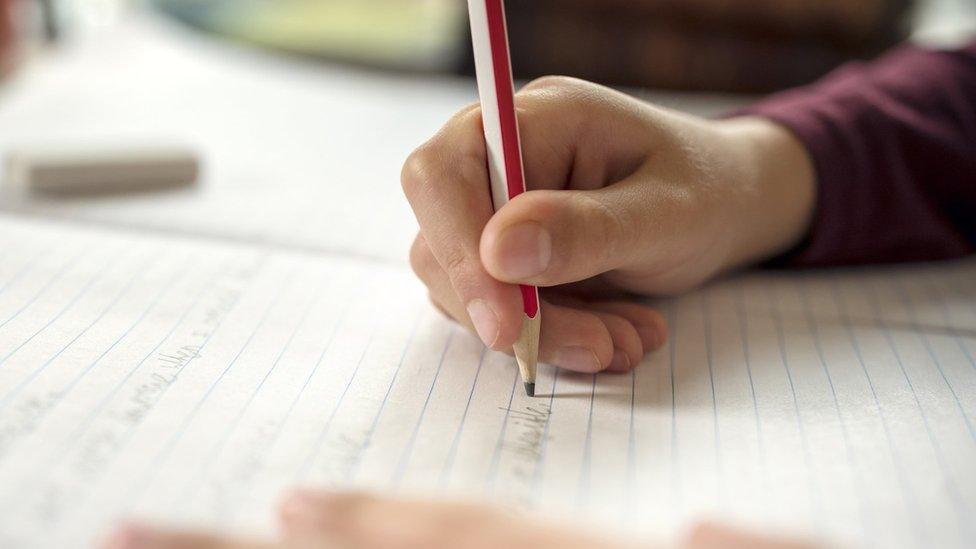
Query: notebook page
{"type": "Point", "coordinates": [190, 382]}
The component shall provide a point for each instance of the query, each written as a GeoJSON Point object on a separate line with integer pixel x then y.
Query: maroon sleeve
{"type": "Point", "coordinates": [893, 144]}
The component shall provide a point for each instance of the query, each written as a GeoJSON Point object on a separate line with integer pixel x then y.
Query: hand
{"type": "Point", "coordinates": [625, 197]}
{"type": "Point", "coordinates": [349, 521]}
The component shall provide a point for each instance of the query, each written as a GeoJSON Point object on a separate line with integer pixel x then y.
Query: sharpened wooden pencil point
{"type": "Point", "coordinates": [527, 351]}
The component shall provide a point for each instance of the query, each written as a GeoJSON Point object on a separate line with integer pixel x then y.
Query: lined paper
{"type": "Point", "coordinates": [190, 381]}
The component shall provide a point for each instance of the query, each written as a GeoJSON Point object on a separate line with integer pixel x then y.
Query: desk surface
{"type": "Point", "coordinates": [295, 152]}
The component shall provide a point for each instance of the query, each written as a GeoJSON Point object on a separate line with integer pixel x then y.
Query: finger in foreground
{"type": "Point", "coordinates": [138, 536]}
{"type": "Point", "coordinates": [358, 521]}
{"type": "Point", "coordinates": [715, 536]}
{"type": "Point", "coordinates": [650, 325]}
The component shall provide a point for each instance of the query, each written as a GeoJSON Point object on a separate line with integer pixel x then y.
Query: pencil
{"type": "Point", "coordinates": [493, 64]}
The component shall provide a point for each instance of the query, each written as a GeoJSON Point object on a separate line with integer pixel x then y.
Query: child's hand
{"type": "Point", "coordinates": [624, 197]}
{"type": "Point", "coordinates": [320, 520]}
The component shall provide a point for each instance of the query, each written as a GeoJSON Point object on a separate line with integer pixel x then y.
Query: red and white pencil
{"type": "Point", "coordinates": [493, 63]}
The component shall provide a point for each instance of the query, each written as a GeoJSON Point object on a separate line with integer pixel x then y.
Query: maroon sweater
{"type": "Point", "coordinates": [893, 143]}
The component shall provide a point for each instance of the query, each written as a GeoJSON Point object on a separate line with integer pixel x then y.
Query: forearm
{"type": "Point", "coordinates": [778, 189]}
{"type": "Point", "coordinates": [893, 149]}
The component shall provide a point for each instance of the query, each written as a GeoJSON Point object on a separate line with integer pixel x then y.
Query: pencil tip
{"type": "Point", "coordinates": [530, 389]}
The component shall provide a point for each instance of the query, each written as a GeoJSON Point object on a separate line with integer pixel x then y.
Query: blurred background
{"type": "Point", "coordinates": [723, 45]}
{"type": "Point", "coordinates": [301, 112]}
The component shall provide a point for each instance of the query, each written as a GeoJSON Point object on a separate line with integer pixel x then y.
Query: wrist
{"type": "Point", "coordinates": [778, 188]}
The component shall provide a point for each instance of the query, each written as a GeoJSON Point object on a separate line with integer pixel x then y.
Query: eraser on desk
{"type": "Point", "coordinates": [101, 169]}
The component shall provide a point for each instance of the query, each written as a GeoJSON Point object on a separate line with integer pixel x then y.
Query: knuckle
{"type": "Point", "coordinates": [564, 88]}
{"type": "Point", "coordinates": [570, 101]}
{"type": "Point", "coordinates": [549, 82]}
{"type": "Point", "coordinates": [559, 84]}
{"type": "Point", "coordinates": [422, 260]}
{"type": "Point", "coordinates": [469, 116]}
{"type": "Point", "coordinates": [416, 172]}
{"type": "Point", "coordinates": [455, 262]}
{"type": "Point", "coordinates": [611, 232]}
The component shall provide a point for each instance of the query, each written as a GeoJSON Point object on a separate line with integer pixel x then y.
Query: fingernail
{"type": "Point", "coordinates": [579, 359]}
{"type": "Point", "coordinates": [485, 321]}
{"type": "Point", "coordinates": [620, 362]}
{"type": "Point", "coordinates": [525, 250]}
{"type": "Point", "coordinates": [129, 536]}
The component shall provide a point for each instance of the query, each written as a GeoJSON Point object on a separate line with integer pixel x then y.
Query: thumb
{"type": "Point", "coordinates": [547, 238]}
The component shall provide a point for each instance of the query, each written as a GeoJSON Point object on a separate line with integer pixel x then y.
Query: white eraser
{"type": "Point", "coordinates": [101, 169]}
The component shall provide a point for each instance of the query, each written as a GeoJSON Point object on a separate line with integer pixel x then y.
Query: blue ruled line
{"type": "Point", "coordinates": [583, 488]}
{"type": "Point", "coordinates": [911, 503]}
{"type": "Point", "coordinates": [196, 480]}
{"type": "Point", "coordinates": [707, 320]}
{"type": "Point", "coordinates": [302, 472]}
{"type": "Point", "coordinates": [815, 495]}
{"type": "Point", "coordinates": [30, 378]}
{"type": "Point", "coordinates": [497, 455]}
{"type": "Point", "coordinates": [452, 453]}
{"type": "Point", "coordinates": [57, 276]}
{"type": "Point", "coordinates": [28, 265]}
{"type": "Point", "coordinates": [150, 471]}
{"type": "Point", "coordinates": [950, 487]}
{"type": "Point", "coordinates": [743, 317]}
{"type": "Point", "coordinates": [405, 456]}
{"type": "Point", "coordinates": [539, 466]}
{"type": "Point", "coordinates": [927, 343]}
{"type": "Point", "coordinates": [89, 419]}
{"type": "Point", "coordinates": [291, 407]}
{"type": "Point", "coordinates": [676, 491]}
{"type": "Point", "coordinates": [386, 397]}
{"type": "Point", "coordinates": [859, 489]}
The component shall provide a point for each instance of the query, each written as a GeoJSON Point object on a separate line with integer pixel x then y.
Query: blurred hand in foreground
{"type": "Point", "coordinates": [319, 520]}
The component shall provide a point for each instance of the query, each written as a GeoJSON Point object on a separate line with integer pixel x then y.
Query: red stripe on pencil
{"type": "Point", "coordinates": [489, 36]}
{"type": "Point", "coordinates": [511, 142]}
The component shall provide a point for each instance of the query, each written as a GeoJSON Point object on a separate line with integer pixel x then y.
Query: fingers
{"type": "Point", "coordinates": [438, 283]}
{"type": "Point", "coordinates": [584, 337]}
{"type": "Point", "coordinates": [357, 521]}
{"type": "Point", "coordinates": [714, 536]}
{"type": "Point", "coordinates": [649, 324]}
{"type": "Point", "coordinates": [144, 537]}
{"type": "Point", "coordinates": [365, 522]}
{"type": "Point", "coordinates": [575, 339]}
{"type": "Point", "coordinates": [628, 349]}
{"type": "Point", "coordinates": [549, 238]}
{"type": "Point", "coordinates": [447, 185]}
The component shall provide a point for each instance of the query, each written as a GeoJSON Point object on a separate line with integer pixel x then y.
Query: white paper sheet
{"type": "Point", "coordinates": [190, 381]}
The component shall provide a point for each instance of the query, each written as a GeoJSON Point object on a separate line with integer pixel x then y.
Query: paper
{"type": "Point", "coordinates": [190, 382]}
